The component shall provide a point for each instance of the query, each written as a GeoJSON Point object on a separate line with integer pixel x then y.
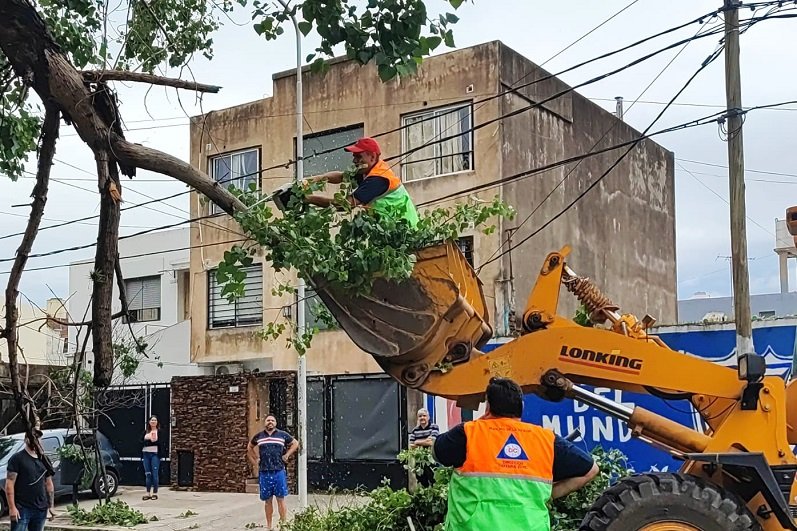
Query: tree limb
{"type": "Point", "coordinates": [38, 60]}
{"type": "Point", "coordinates": [163, 163]}
{"type": "Point", "coordinates": [140, 77]}
{"type": "Point", "coordinates": [104, 268]}
{"type": "Point", "coordinates": [49, 136]}
{"type": "Point", "coordinates": [120, 283]}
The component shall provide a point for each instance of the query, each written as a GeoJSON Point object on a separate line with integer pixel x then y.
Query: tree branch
{"type": "Point", "coordinates": [38, 60]}
{"type": "Point", "coordinates": [163, 163]}
{"type": "Point", "coordinates": [140, 77]}
{"type": "Point", "coordinates": [104, 268]}
{"type": "Point", "coordinates": [49, 136]}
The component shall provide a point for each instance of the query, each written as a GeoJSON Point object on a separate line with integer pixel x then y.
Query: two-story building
{"type": "Point", "coordinates": [622, 232]}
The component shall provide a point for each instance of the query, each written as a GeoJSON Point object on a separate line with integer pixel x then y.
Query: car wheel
{"type": "Point", "coordinates": [99, 486]}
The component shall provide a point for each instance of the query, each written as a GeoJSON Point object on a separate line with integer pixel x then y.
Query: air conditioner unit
{"type": "Point", "coordinates": [227, 368]}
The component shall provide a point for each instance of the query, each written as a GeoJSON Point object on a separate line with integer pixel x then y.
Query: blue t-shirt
{"type": "Point", "coordinates": [272, 447]}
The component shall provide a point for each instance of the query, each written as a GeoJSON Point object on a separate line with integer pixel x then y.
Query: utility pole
{"type": "Point", "coordinates": [301, 383]}
{"type": "Point", "coordinates": [733, 93]}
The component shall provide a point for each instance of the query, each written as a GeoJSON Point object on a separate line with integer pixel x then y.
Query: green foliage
{"type": "Point", "coordinates": [567, 512]}
{"type": "Point", "coordinates": [582, 317]}
{"type": "Point", "coordinates": [394, 34]}
{"type": "Point", "coordinates": [85, 456]}
{"type": "Point", "coordinates": [416, 460]}
{"type": "Point", "coordinates": [388, 509]}
{"type": "Point", "coordinates": [357, 245]}
{"type": "Point", "coordinates": [114, 512]}
{"type": "Point", "coordinates": [19, 128]}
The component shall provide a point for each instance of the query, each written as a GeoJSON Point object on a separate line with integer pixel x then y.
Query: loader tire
{"type": "Point", "coordinates": [668, 502]}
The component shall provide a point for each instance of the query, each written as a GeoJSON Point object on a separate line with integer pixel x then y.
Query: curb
{"type": "Point", "coordinates": [67, 527]}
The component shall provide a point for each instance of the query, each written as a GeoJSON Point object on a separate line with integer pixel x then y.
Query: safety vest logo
{"type": "Point", "coordinates": [513, 450]}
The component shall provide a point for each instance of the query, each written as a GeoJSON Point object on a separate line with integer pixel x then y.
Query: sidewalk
{"type": "Point", "coordinates": [215, 511]}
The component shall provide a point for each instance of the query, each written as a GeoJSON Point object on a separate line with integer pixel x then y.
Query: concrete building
{"type": "Point", "coordinates": [622, 232]}
{"type": "Point", "coordinates": [155, 267]}
{"type": "Point", "coordinates": [720, 309]}
{"type": "Point", "coordinates": [702, 307]}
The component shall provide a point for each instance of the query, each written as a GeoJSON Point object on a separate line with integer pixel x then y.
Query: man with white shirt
{"type": "Point", "coordinates": [274, 448]}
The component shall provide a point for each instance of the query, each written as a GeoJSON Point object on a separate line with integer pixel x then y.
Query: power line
{"type": "Point", "coordinates": [140, 255]}
{"type": "Point", "coordinates": [707, 187]}
{"type": "Point", "coordinates": [580, 196]}
{"type": "Point", "coordinates": [595, 145]}
{"type": "Point", "coordinates": [4, 213]}
{"type": "Point", "coordinates": [499, 94]}
{"type": "Point", "coordinates": [750, 21]}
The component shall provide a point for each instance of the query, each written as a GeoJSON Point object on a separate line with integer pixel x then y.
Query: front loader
{"type": "Point", "coordinates": [738, 473]}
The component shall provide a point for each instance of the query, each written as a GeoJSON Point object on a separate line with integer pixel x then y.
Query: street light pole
{"type": "Point", "coordinates": [301, 384]}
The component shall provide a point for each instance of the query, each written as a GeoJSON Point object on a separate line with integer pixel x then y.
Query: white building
{"type": "Point", "coordinates": [41, 341]}
{"type": "Point", "coordinates": [155, 268]}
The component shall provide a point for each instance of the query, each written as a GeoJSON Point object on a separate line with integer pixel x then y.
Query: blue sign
{"type": "Point", "coordinates": [775, 343]}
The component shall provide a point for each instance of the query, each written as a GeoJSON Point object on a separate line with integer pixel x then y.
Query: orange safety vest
{"type": "Point", "coordinates": [506, 480]}
{"type": "Point", "coordinates": [395, 201]}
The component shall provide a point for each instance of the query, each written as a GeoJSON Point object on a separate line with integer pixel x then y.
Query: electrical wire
{"type": "Point", "coordinates": [580, 196]}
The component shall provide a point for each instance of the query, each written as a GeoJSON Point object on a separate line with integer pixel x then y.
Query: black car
{"type": "Point", "coordinates": [52, 440]}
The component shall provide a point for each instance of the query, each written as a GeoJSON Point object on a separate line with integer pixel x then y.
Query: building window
{"type": "Point", "coordinates": [768, 314]}
{"type": "Point", "coordinates": [246, 310]}
{"type": "Point", "coordinates": [314, 310]}
{"type": "Point", "coordinates": [465, 245]}
{"type": "Point", "coordinates": [143, 299]}
{"type": "Point", "coordinates": [329, 140]}
{"type": "Point", "coordinates": [437, 158]}
{"type": "Point", "coordinates": [239, 169]}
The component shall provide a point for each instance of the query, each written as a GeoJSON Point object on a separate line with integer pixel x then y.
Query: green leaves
{"type": "Point", "coordinates": [114, 512]}
{"type": "Point", "coordinates": [342, 248]}
{"type": "Point", "coordinates": [389, 33]}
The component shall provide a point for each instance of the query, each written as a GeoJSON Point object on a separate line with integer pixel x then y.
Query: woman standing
{"type": "Point", "coordinates": [150, 456]}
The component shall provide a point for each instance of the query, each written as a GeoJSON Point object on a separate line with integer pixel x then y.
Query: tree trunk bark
{"type": "Point", "coordinates": [104, 270]}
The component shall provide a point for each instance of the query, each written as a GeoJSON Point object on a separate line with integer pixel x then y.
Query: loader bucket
{"type": "Point", "coordinates": [438, 315]}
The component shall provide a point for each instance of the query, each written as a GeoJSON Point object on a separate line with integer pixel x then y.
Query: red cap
{"type": "Point", "coordinates": [365, 145]}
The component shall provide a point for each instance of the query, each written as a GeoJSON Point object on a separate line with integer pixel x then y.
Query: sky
{"type": "Point", "coordinates": [243, 64]}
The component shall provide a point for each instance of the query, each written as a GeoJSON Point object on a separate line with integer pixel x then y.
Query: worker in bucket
{"type": "Point", "coordinates": [378, 188]}
{"type": "Point", "coordinates": [507, 470]}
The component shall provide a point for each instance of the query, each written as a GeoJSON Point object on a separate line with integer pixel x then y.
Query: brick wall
{"type": "Point", "coordinates": [210, 419]}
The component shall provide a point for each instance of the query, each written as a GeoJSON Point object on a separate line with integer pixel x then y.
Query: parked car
{"type": "Point", "coordinates": [52, 440]}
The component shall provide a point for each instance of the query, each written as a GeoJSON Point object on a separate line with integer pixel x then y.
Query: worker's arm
{"type": "Point", "coordinates": [572, 468]}
{"type": "Point", "coordinates": [449, 448]}
{"type": "Point", "coordinates": [13, 512]}
{"type": "Point", "coordinates": [566, 486]}
{"type": "Point", "coordinates": [332, 177]}
{"type": "Point", "coordinates": [293, 447]}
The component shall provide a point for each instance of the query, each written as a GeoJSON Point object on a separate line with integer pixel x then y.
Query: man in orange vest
{"type": "Point", "coordinates": [507, 470]}
{"type": "Point", "coordinates": [378, 187]}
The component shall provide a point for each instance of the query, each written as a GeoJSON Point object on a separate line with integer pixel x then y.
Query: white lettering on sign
{"type": "Point", "coordinates": [595, 427]}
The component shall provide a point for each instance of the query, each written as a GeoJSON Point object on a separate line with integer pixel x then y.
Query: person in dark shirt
{"type": "Point", "coordinates": [529, 464]}
{"type": "Point", "coordinates": [29, 488]}
{"type": "Point", "coordinates": [272, 448]}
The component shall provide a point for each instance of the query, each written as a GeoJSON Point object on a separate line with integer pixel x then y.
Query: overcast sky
{"type": "Point", "coordinates": [244, 63]}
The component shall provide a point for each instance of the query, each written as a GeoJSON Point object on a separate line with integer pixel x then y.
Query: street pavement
{"type": "Point", "coordinates": [215, 511]}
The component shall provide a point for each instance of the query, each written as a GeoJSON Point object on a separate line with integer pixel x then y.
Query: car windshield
{"type": "Point", "coordinates": [7, 447]}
